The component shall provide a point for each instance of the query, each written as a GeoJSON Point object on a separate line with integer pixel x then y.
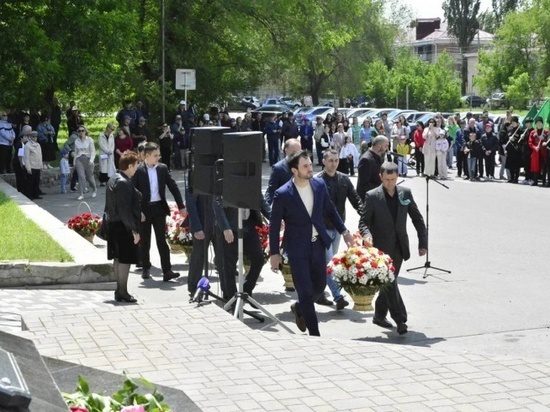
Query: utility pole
{"type": "Point", "coordinates": [163, 64]}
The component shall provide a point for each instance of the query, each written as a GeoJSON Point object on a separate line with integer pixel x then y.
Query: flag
{"type": "Point", "coordinates": [544, 112]}
{"type": "Point", "coordinates": [532, 113]}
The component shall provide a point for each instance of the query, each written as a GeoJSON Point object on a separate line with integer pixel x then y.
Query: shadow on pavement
{"type": "Point", "coordinates": [412, 338]}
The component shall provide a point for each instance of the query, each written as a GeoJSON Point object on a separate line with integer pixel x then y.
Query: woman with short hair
{"type": "Point", "coordinates": [123, 214]}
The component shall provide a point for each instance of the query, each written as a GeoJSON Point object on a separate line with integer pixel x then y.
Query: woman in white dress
{"type": "Point", "coordinates": [106, 154]}
{"type": "Point", "coordinates": [431, 133]}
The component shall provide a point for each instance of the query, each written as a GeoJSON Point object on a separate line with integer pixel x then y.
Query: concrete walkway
{"type": "Point", "coordinates": [477, 341]}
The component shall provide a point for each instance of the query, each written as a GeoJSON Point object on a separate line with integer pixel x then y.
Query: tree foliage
{"type": "Point", "coordinates": [520, 59]}
{"type": "Point", "coordinates": [492, 19]}
{"type": "Point", "coordinates": [100, 52]}
{"type": "Point", "coordinates": [430, 86]}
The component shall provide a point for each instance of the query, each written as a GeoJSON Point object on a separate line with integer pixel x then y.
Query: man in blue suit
{"type": "Point", "coordinates": [303, 203]}
{"type": "Point", "coordinates": [280, 173]}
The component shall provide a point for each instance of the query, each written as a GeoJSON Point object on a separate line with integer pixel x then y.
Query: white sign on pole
{"type": "Point", "coordinates": [185, 79]}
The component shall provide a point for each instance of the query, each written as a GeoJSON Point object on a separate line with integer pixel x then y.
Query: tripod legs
{"type": "Point", "coordinates": [427, 265]}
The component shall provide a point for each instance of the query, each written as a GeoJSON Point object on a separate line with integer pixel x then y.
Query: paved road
{"type": "Point", "coordinates": [493, 237]}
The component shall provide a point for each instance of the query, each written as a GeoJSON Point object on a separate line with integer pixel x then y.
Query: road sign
{"type": "Point", "coordinates": [185, 79]}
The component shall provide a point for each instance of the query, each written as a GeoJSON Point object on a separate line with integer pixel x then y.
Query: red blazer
{"type": "Point", "coordinates": [539, 152]}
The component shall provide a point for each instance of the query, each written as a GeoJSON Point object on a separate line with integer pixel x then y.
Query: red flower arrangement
{"type": "Point", "coordinates": [263, 234]}
{"type": "Point", "coordinates": [85, 224]}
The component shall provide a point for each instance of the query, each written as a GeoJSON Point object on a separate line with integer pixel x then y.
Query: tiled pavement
{"type": "Point", "coordinates": [222, 365]}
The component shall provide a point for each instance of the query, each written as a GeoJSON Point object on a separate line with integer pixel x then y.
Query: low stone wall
{"type": "Point", "coordinates": [90, 263]}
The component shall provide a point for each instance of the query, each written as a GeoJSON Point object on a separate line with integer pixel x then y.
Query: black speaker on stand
{"type": "Point", "coordinates": [207, 150]}
{"type": "Point", "coordinates": [242, 183]}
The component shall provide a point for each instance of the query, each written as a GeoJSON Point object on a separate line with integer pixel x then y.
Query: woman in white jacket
{"type": "Point", "coordinates": [431, 133]}
{"type": "Point", "coordinates": [106, 154]}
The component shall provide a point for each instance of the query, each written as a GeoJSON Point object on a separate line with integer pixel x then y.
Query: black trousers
{"type": "Point", "coordinates": [20, 176]}
{"type": "Point", "coordinates": [166, 155]}
{"type": "Point", "coordinates": [228, 271]}
{"type": "Point", "coordinates": [419, 158]}
{"type": "Point", "coordinates": [490, 165]}
{"type": "Point", "coordinates": [461, 163]}
{"type": "Point", "coordinates": [155, 216]}
{"type": "Point", "coordinates": [319, 150]}
{"type": "Point", "coordinates": [34, 184]}
{"type": "Point", "coordinates": [390, 299]}
{"type": "Point", "coordinates": [5, 158]}
{"type": "Point", "coordinates": [198, 256]}
{"type": "Point", "coordinates": [229, 256]}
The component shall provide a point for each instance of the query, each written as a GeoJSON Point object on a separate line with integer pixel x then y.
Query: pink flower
{"type": "Point", "coordinates": [78, 409]}
{"type": "Point", "coordinates": [133, 408]}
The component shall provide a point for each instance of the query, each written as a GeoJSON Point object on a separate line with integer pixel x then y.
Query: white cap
{"type": "Point", "coordinates": [182, 102]}
{"type": "Point", "coordinates": [206, 117]}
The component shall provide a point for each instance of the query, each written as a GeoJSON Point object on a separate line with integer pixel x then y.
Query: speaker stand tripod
{"type": "Point", "coordinates": [427, 264]}
{"type": "Point", "coordinates": [241, 297]}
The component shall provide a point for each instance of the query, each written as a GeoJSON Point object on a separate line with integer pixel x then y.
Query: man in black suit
{"type": "Point", "coordinates": [151, 179]}
{"type": "Point", "coordinates": [368, 170]}
{"type": "Point", "coordinates": [384, 218]}
{"type": "Point", "coordinates": [281, 173]}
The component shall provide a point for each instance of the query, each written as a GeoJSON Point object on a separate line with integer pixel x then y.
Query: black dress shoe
{"type": "Point", "coordinates": [402, 328]}
{"type": "Point", "coordinates": [324, 301]}
{"type": "Point", "coordinates": [341, 303]}
{"type": "Point", "coordinates": [170, 275]}
{"type": "Point", "coordinates": [146, 273]}
{"type": "Point", "coordinates": [290, 290]}
{"type": "Point", "coordinates": [124, 298]}
{"type": "Point", "coordinates": [383, 323]}
{"type": "Point", "coordinates": [299, 319]}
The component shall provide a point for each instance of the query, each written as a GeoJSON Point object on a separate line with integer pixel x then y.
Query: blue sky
{"type": "Point", "coordinates": [432, 8]}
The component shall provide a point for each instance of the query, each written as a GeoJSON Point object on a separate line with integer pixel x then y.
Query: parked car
{"type": "Point", "coordinates": [278, 102]}
{"type": "Point", "coordinates": [414, 116]}
{"type": "Point", "coordinates": [300, 112]}
{"type": "Point", "coordinates": [290, 102]}
{"type": "Point", "coordinates": [272, 108]}
{"type": "Point", "coordinates": [472, 101]}
{"type": "Point", "coordinates": [250, 101]}
{"type": "Point", "coordinates": [497, 100]}
{"type": "Point", "coordinates": [394, 114]}
{"type": "Point", "coordinates": [319, 111]}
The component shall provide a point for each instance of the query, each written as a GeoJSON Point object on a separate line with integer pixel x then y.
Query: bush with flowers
{"type": "Point", "coordinates": [85, 224]}
{"type": "Point", "coordinates": [263, 234]}
{"type": "Point", "coordinates": [360, 265]}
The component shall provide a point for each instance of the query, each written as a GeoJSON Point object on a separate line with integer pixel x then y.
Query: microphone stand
{"type": "Point", "coordinates": [427, 264]}
{"type": "Point", "coordinates": [241, 297]}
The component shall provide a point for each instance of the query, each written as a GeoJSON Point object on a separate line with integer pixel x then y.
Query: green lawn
{"type": "Point", "coordinates": [21, 238]}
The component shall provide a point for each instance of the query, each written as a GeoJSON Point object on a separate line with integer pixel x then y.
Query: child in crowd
{"type": "Point", "coordinates": [64, 170]}
{"type": "Point", "coordinates": [349, 157]}
{"type": "Point", "coordinates": [403, 148]}
{"type": "Point", "coordinates": [473, 150]}
{"type": "Point", "coordinates": [441, 148]}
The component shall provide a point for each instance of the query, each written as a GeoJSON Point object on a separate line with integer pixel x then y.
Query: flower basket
{"type": "Point", "coordinates": [362, 271]}
{"type": "Point", "coordinates": [181, 248]}
{"type": "Point", "coordinates": [178, 233]}
{"type": "Point", "coordinates": [362, 296]}
{"type": "Point", "coordinates": [287, 276]}
{"type": "Point", "coordinates": [85, 224]}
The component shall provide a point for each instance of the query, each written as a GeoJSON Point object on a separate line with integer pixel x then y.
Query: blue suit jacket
{"type": "Point", "coordinates": [280, 174]}
{"type": "Point", "coordinates": [288, 206]}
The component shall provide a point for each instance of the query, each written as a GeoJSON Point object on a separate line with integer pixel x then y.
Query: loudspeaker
{"type": "Point", "coordinates": [207, 149]}
{"type": "Point", "coordinates": [242, 169]}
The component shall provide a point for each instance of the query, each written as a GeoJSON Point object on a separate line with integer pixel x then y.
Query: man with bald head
{"type": "Point", "coordinates": [368, 169]}
{"type": "Point", "coordinates": [280, 173]}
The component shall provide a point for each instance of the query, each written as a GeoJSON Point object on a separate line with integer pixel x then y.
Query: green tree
{"type": "Point", "coordinates": [443, 84]}
{"type": "Point", "coordinates": [462, 18]}
{"type": "Point", "coordinates": [378, 84]}
{"type": "Point", "coordinates": [519, 89]}
{"type": "Point", "coordinates": [66, 46]}
{"type": "Point", "coordinates": [492, 19]}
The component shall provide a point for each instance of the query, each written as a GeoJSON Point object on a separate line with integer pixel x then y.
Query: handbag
{"type": "Point", "coordinates": [103, 232]}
